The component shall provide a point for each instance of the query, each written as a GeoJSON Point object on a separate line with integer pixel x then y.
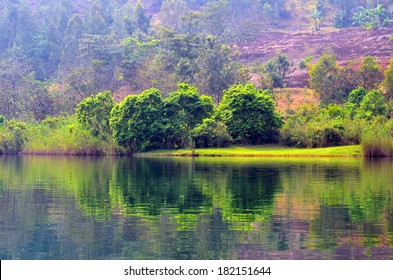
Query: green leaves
{"type": "Point", "coordinates": [249, 114]}
{"type": "Point", "coordinates": [148, 121]}
{"type": "Point", "coordinates": [93, 112]}
{"type": "Point", "coordinates": [274, 73]}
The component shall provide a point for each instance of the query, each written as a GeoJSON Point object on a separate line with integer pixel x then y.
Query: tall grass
{"type": "Point", "coordinates": [66, 136]}
{"type": "Point", "coordinates": [377, 142]}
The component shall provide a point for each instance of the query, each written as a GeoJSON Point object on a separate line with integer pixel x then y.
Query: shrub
{"type": "Point", "coordinates": [211, 133]}
{"type": "Point", "coordinates": [94, 112]}
{"type": "Point", "coordinates": [66, 136]}
{"type": "Point", "coordinates": [12, 137]}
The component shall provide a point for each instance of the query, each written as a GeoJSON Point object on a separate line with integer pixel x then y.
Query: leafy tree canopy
{"type": "Point", "coordinates": [249, 114]}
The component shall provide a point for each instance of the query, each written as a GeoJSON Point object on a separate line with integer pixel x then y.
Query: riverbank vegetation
{"type": "Point", "coordinates": [246, 115]}
{"type": "Point", "coordinates": [122, 78]}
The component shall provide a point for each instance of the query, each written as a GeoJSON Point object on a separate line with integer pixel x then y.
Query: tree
{"type": "Point", "coordinates": [171, 14]}
{"type": "Point", "coordinates": [354, 99]}
{"type": "Point", "coordinates": [370, 17]}
{"type": "Point", "coordinates": [142, 20]}
{"type": "Point", "coordinates": [183, 110]}
{"type": "Point", "coordinates": [387, 82]}
{"type": "Point", "coordinates": [134, 56]}
{"type": "Point", "coordinates": [72, 37]}
{"type": "Point", "coordinates": [323, 78]}
{"type": "Point", "coordinates": [373, 104]}
{"type": "Point", "coordinates": [137, 122]}
{"type": "Point", "coordinates": [17, 81]}
{"type": "Point", "coordinates": [211, 133]}
{"type": "Point", "coordinates": [370, 73]}
{"type": "Point", "coordinates": [102, 53]}
{"type": "Point", "coordinates": [188, 104]}
{"type": "Point", "coordinates": [94, 113]}
{"type": "Point", "coordinates": [249, 115]}
{"type": "Point", "coordinates": [219, 68]}
{"type": "Point", "coordinates": [316, 15]}
{"type": "Point", "coordinates": [275, 72]}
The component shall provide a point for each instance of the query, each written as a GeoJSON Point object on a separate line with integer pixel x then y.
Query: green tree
{"type": "Point", "coordinates": [186, 100]}
{"type": "Point", "coordinates": [324, 77]}
{"type": "Point", "coordinates": [94, 113]}
{"type": "Point", "coordinates": [171, 14]}
{"type": "Point", "coordinates": [275, 72]}
{"type": "Point", "coordinates": [183, 110]}
{"type": "Point", "coordinates": [142, 20]}
{"type": "Point", "coordinates": [387, 82]}
{"type": "Point", "coordinates": [373, 104]}
{"type": "Point", "coordinates": [370, 73]}
{"type": "Point", "coordinates": [137, 122]}
{"type": "Point", "coordinates": [354, 99]}
{"type": "Point", "coordinates": [249, 115]}
{"type": "Point", "coordinates": [211, 133]}
{"type": "Point", "coordinates": [12, 137]}
{"type": "Point", "coordinates": [218, 68]}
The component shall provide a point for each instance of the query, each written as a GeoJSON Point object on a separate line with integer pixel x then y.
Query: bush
{"type": "Point", "coordinates": [211, 133]}
{"type": "Point", "coordinates": [312, 135]}
{"type": "Point", "coordinates": [93, 113]}
{"type": "Point", "coordinates": [12, 137]}
{"type": "Point", "coordinates": [66, 136]}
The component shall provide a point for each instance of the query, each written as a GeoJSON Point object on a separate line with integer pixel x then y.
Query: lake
{"type": "Point", "coordinates": [195, 208]}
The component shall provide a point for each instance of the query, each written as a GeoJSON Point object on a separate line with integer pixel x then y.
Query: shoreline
{"type": "Point", "coordinates": [354, 151]}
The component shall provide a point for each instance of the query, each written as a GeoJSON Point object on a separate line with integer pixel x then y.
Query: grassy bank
{"type": "Point", "coordinates": [263, 151]}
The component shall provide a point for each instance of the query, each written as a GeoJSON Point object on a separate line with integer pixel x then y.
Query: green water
{"type": "Point", "coordinates": [201, 208]}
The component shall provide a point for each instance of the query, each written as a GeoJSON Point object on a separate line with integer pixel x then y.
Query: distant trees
{"type": "Point", "coordinates": [370, 73]}
{"type": "Point", "coordinates": [387, 83]}
{"type": "Point", "coordinates": [172, 12]}
{"type": "Point", "coordinates": [234, 20]}
{"type": "Point", "coordinates": [334, 83]}
{"type": "Point", "coordinates": [274, 73]}
{"type": "Point", "coordinates": [368, 17]}
{"type": "Point", "coordinates": [324, 76]}
{"type": "Point", "coordinates": [218, 68]}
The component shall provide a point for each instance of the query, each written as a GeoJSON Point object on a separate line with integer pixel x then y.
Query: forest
{"type": "Point", "coordinates": [127, 76]}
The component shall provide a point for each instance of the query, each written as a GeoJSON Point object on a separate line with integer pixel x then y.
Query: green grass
{"type": "Point", "coordinates": [263, 151]}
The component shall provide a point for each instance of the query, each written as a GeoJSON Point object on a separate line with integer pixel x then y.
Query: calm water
{"type": "Point", "coordinates": [214, 208]}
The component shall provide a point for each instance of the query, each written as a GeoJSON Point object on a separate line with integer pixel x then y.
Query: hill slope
{"type": "Point", "coordinates": [347, 44]}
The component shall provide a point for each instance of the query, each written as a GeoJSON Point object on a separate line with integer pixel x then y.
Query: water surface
{"type": "Point", "coordinates": [195, 208]}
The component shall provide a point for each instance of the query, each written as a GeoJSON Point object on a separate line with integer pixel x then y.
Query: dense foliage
{"type": "Point", "coordinates": [64, 63]}
{"type": "Point", "coordinates": [249, 115]}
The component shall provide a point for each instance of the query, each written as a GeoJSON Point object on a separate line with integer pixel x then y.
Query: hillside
{"type": "Point", "coordinates": [348, 44]}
